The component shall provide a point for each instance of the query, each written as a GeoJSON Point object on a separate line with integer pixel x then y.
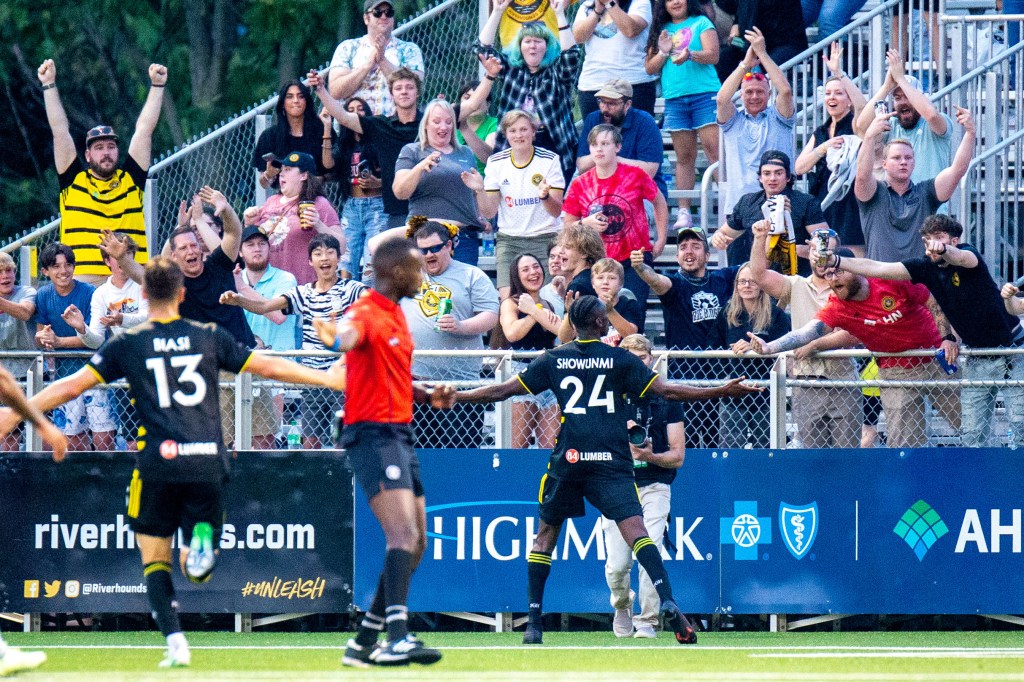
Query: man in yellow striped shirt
{"type": "Point", "coordinates": [101, 194]}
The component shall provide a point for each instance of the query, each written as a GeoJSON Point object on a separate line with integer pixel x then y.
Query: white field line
{"type": "Point", "coordinates": [822, 651]}
{"type": "Point", "coordinates": [429, 675]}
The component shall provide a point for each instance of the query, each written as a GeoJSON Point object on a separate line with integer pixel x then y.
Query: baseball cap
{"type": "Point", "coordinates": [99, 133]}
{"type": "Point", "coordinates": [304, 162]}
{"type": "Point", "coordinates": [773, 157]}
{"type": "Point", "coordinates": [616, 88]}
{"type": "Point", "coordinates": [695, 231]}
{"type": "Point", "coordinates": [252, 231]}
{"type": "Point", "coordinates": [370, 4]}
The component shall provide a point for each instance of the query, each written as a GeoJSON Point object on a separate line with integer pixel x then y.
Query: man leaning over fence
{"type": "Point", "coordinates": [887, 317]}
{"type": "Point", "coordinates": [960, 281]}
{"type": "Point", "coordinates": [101, 196]}
{"type": "Point", "coordinates": [825, 417]}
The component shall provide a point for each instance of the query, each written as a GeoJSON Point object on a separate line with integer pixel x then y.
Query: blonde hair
{"type": "Point", "coordinates": [514, 115]}
{"type": "Point", "coordinates": [608, 265]}
{"type": "Point", "coordinates": [585, 240]}
{"type": "Point", "coordinates": [637, 342]}
{"type": "Point", "coordinates": [760, 318]}
{"type": "Point", "coordinates": [446, 107]}
{"type": "Point", "coordinates": [6, 262]}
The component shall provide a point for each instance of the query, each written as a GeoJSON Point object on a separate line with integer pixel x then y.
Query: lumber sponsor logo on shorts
{"type": "Point", "coordinates": [170, 449]}
{"type": "Point", "coordinates": [574, 456]}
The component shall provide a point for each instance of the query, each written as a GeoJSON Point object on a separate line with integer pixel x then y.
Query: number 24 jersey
{"type": "Point", "coordinates": [591, 380]}
{"type": "Point", "coordinates": [173, 370]}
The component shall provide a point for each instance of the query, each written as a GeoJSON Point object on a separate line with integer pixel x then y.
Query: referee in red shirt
{"type": "Point", "coordinates": [378, 440]}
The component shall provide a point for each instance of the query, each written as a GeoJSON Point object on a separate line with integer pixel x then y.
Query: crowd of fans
{"type": "Point", "coordinates": [574, 211]}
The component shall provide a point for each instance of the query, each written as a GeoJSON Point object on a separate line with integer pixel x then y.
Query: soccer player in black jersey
{"type": "Point", "coordinates": [14, 660]}
{"type": "Point", "coordinates": [171, 365]}
{"type": "Point", "coordinates": [591, 459]}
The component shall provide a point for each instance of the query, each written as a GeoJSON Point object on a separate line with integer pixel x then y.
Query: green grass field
{"type": "Point", "coordinates": [760, 657]}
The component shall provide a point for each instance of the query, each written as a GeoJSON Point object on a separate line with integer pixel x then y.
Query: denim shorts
{"type": "Point", "coordinates": [690, 112]}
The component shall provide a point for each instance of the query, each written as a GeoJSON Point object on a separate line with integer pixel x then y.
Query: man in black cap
{"type": "Point", "coordinates": [360, 66]}
{"type": "Point", "coordinates": [101, 196]}
{"type": "Point", "coordinates": [793, 215]}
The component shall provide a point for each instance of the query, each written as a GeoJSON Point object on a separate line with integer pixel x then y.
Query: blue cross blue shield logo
{"type": "Point", "coordinates": [799, 527]}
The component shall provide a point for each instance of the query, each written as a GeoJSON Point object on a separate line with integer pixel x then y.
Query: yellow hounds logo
{"type": "Point", "coordinates": [293, 158]}
{"type": "Point", "coordinates": [537, 179]}
{"type": "Point", "coordinates": [888, 302]}
{"type": "Point", "coordinates": [956, 279]}
{"type": "Point", "coordinates": [430, 297]}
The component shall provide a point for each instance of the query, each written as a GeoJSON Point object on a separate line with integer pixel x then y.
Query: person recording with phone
{"type": "Point", "coordinates": [657, 441]}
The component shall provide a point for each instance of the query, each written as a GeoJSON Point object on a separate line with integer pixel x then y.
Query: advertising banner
{"type": "Point", "coordinates": [286, 545]}
{"type": "Point", "coordinates": [751, 531]}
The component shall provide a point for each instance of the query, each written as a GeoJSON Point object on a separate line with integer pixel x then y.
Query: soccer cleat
{"type": "Point", "coordinates": [16, 660]}
{"type": "Point", "coordinates": [404, 651]}
{"type": "Point", "coordinates": [533, 635]}
{"type": "Point", "coordinates": [180, 658]}
{"type": "Point", "coordinates": [645, 631]}
{"type": "Point", "coordinates": [201, 554]}
{"type": "Point", "coordinates": [622, 623]}
{"type": "Point", "coordinates": [357, 656]}
{"type": "Point", "coordinates": [677, 622]}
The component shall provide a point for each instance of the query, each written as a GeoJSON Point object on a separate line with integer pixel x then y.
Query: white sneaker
{"type": "Point", "coordinates": [622, 623]}
{"type": "Point", "coordinates": [684, 219]}
{"type": "Point", "coordinates": [16, 660]}
{"type": "Point", "coordinates": [180, 658]}
{"type": "Point", "coordinates": [645, 631]}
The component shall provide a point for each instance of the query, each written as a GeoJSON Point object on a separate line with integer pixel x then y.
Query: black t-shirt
{"type": "Point", "coordinates": [387, 135]}
{"type": "Point", "coordinates": [969, 297]}
{"type": "Point", "coordinates": [352, 159]}
{"type": "Point", "coordinates": [591, 380]}
{"type": "Point", "coordinates": [202, 298]}
{"type": "Point", "coordinates": [654, 414]}
{"type": "Point", "coordinates": [310, 142]}
{"type": "Point", "coordinates": [805, 210]}
{"type": "Point", "coordinates": [581, 283]}
{"type": "Point", "coordinates": [172, 369]}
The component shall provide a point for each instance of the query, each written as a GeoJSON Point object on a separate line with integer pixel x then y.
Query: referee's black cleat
{"type": "Point", "coordinates": [533, 635]}
{"type": "Point", "coordinates": [357, 656]}
{"type": "Point", "coordinates": [678, 623]}
{"type": "Point", "coordinates": [202, 556]}
{"type": "Point", "coordinates": [404, 651]}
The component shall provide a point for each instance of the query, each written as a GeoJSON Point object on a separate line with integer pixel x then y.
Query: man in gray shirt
{"type": "Point", "coordinates": [892, 211]}
{"type": "Point", "coordinates": [474, 312]}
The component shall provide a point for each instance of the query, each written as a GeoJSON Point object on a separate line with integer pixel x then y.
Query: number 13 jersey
{"type": "Point", "coordinates": [173, 370]}
{"type": "Point", "coordinates": [591, 380]}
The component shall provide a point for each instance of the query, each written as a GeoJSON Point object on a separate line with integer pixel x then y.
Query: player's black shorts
{"type": "Point", "coordinates": [160, 508]}
{"type": "Point", "coordinates": [382, 457]}
{"type": "Point", "coordinates": [614, 496]}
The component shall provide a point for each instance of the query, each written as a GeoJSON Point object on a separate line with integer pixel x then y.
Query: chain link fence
{"type": "Point", "coordinates": [835, 401]}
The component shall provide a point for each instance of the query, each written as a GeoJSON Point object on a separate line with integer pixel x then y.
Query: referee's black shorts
{"type": "Point", "coordinates": [615, 496]}
{"type": "Point", "coordinates": [382, 457]}
{"type": "Point", "coordinates": [160, 508]}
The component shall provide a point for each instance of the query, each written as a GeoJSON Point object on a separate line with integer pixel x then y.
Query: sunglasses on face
{"type": "Point", "coordinates": [103, 130]}
{"type": "Point", "coordinates": [388, 12]}
{"type": "Point", "coordinates": [436, 248]}
{"type": "Point", "coordinates": [754, 75]}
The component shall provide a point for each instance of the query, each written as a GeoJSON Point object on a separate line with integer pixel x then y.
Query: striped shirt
{"type": "Point", "coordinates": [311, 304]}
{"type": "Point", "coordinates": [89, 205]}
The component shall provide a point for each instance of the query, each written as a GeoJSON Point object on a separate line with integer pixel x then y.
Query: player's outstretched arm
{"type": "Point", "coordinates": [492, 393]}
{"type": "Point", "coordinates": [281, 369]}
{"type": "Point", "coordinates": [440, 397]}
{"type": "Point", "coordinates": [734, 388]}
{"type": "Point", "coordinates": [21, 408]}
{"type": "Point", "coordinates": [339, 337]}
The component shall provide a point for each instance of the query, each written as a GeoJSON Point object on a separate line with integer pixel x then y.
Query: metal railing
{"type": "Point", "coordinates": [259, 413]}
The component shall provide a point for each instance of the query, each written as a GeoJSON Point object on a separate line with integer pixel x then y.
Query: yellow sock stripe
{"type": "Point", "coordinates": [537, 558]}
{"type": "Point", "coordinates": [134, 495]}
{"type": "Point", "coordinates": [641, 543]}
{"type": "Point", "coordinates": [156, 566]}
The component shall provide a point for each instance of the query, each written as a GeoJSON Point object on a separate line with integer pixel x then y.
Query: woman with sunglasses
{"type": "Point", "coordinates": [683, 48]}
{"type": "Point", "coordinates": [361, 66]}
{"type": "Point", "coordinates": [539, 77]}
{"type": "Point", "coordinates": [745, 421]}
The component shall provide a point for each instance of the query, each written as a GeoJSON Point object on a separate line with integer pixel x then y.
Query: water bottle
{"type": "Point", "coordinates": [294, 436]}
{"type": "Point", "coordinates": [496, 462]}
{"type": "Point", "coordinates": [487, 239]}
{"type": "Point", "coordinates": [1011, 438]}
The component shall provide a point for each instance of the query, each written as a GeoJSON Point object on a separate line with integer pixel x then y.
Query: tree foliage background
{"type": "Point", "coordinates": [222, 56]}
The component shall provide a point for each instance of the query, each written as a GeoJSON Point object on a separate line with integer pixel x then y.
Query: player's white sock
{"type": "Point", "coordinates": [176, 641]}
